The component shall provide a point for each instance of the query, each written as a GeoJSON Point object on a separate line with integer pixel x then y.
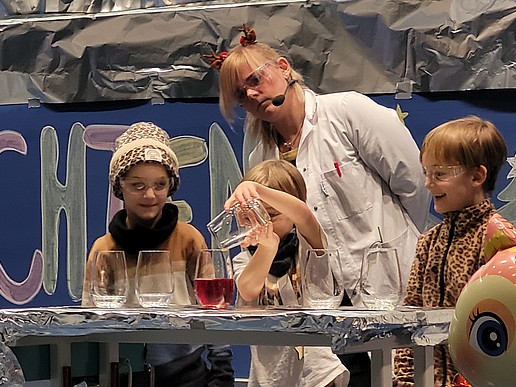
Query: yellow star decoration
{"type": "Point", "coordinates": [401, 114]}
{"type": "Point", "coordinates": [300, 352]}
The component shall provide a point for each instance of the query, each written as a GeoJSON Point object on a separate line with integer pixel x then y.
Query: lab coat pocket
{"type": "Point", "coordinates": [345, 189]}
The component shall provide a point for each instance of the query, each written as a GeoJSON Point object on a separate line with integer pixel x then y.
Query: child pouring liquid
{"type": "Point", "coordinates": [272, 254]}
{"type": "Point", "coordinates": [461, 160]}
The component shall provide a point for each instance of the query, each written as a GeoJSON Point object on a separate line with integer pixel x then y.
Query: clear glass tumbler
{"type": "Point", "coordinates": [380, 284]}
{"type": "Point", "coordinates": [109, 283]}
{"type": "Point", "coordinates": [154, 278]}
{"type": "Point", "coordinates": [214, 284]}
{"type": "Point", "coordinates": [322, 284]}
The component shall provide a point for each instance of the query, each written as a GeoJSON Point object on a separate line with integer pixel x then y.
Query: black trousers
{"type": "Point", "coordinates": [189, 371]}
{"type": "Point", "coordinates": [358, 364]}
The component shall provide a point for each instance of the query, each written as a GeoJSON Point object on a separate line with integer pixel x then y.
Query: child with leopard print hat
{"type": "Point", "coordinates": [144, 172]}
{"type": "Point", "coordinates": [461, 160]}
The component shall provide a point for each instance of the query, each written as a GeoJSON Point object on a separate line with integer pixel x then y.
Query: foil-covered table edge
{"type": "Point", "coordinates": [344, 326]}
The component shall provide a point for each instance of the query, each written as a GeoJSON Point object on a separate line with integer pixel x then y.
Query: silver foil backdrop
{"type": "Point", "coordinates": [62, 51]}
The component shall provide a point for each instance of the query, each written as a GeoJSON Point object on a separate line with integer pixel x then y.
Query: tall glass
{"type": "Point", "coordinates": [380, 284]}
{"type": "Point", "coordinates": [108, 281]}
{"type": "Point", "coordinates": [154, 278]}
{"type": "Point", "coordinates": [323, 286]}
{"type": "Point", "coordinates": [214, 285]}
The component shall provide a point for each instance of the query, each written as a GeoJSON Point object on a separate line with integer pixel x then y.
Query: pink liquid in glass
{"type": "Point", "coordinates": [214, 293]}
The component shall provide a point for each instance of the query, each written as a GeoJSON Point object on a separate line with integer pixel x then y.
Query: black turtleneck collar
{"type": "Point", "coordinates": [143, 237]}
{"type": "Point", "coordinates": [285, 258]}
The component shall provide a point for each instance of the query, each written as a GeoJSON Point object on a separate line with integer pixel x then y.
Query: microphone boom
{"type": "Point", "coordinates": [279, 99]}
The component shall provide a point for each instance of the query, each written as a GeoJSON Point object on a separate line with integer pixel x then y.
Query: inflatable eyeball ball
{"type": "Point", "coordinates": [481, 338]}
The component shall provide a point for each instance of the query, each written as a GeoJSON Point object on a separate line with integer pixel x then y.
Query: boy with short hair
{"type": "Point", "coordinates": [461, 160]}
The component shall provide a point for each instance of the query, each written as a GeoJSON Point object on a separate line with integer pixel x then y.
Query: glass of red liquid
{"type": "Point", "coordinates": [214, 284]}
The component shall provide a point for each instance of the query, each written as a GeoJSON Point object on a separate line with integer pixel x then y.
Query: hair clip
{"type": "Point", "coordinates": [216, 60]}
{"type": "Point", "coordinates": [247, 39]}
{"type": "Point", "coordinates": [249, 36]}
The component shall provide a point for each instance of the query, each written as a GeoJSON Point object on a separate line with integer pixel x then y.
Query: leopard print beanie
{"type": "Point", "coordinates": [142, 142]}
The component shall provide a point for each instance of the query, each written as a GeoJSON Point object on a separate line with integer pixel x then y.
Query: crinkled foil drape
{"type": "Point", "coordinates": [59, 51]}
{"type": "Point", "coordinates": [346, 327]}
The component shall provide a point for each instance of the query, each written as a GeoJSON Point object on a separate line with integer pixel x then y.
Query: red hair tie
{"type": "Point", "coordinates": [216, 60]}
{"type": "Point", "coordinates": [248, 38]}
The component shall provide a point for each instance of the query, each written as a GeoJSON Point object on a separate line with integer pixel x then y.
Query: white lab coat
{"type": "Point", "coordinates": [361, 167]}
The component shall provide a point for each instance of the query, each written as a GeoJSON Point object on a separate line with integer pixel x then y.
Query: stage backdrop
{"type": "Point", "coordinates": [55, 194]}
{"type": "Point", "coordinates": [56, 199]}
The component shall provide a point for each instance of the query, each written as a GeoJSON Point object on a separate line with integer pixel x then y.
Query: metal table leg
{"type": "Point", "coordinates": [108, 364]}
{"type": "Point", "coordinates": [424, 366]}
{"type": "Point", "coordinates": [60, 364]}
{"type": "Point", "coordinates": [381, 368]}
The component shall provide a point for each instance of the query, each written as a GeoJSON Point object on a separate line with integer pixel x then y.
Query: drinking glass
{"type": "Point", "coordinates": [322, 285]}
{"type": "Point", "coordinates": [380, 278]}
{"type": "Point", "coordinates": [279, 292]}
{"type": "Point", "coordinates": [109, 284]}
{"type": "Point", "coordinates": [229, 228]}
{"type": "Point", "coordinates": [213, 284]}
{"type": "Point", "coordinates": [154, 278]}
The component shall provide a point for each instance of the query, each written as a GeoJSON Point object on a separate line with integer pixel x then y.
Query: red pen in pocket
{"type": "Point", "coordinates": [337, 168]}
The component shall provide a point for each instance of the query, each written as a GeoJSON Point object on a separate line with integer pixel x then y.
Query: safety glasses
{"type": "Point", "coordinates": [441, 173]}
{"type": "Point", "coordinates": [253, 81]}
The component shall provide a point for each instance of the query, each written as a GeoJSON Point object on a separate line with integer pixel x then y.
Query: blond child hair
{"type": "Point", "coordinates": [280, 175]}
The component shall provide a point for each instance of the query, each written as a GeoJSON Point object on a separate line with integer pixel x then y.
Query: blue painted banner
{"type": "Point", "coordinates": [56, 201]}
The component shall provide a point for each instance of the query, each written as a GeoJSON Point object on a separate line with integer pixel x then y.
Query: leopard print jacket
{"type": "Point", "coordinates": [446, 257]}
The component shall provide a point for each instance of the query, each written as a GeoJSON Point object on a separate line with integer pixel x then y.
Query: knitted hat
{"type": "Point", "coordinates": [142, 142]}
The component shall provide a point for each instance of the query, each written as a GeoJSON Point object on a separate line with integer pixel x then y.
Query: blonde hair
{"type": "Point", "coordinates": [280, 175]}
{"type": "Point", "coordinates": [253, 56]}
{"type": "Point", "coordinates": [471, 142]}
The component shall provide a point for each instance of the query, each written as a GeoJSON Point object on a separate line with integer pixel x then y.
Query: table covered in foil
{"type": "Point", "coordinates": [344, 327]}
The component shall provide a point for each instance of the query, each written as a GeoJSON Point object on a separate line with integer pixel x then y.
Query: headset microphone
{"type": "Point", "coordinates": [279, 99]}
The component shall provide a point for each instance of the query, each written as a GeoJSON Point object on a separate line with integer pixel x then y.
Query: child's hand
{"type": "Point", "coordinates": [243, 194]}
{"type": "Point", "coordinates": [262, 236]}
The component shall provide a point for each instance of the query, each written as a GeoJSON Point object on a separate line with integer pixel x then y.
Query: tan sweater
{"type": "Point", "coordinates": [184, 245]}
